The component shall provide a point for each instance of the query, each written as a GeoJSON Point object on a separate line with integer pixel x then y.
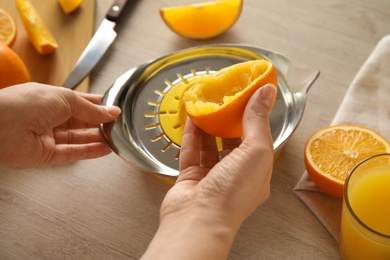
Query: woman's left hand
{"type": "Point", "coordinates": [43, 124]}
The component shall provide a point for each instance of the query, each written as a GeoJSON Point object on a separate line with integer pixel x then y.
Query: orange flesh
{"type": "Point", "coordinates": [216, 102]}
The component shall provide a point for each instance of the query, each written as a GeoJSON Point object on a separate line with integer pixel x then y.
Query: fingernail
{"type": "Point", "coordinates": [267, 94]}
{"type": "Point", "coordinates": [113, 110]}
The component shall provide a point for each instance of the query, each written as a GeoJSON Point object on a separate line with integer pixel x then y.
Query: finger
{"type": "Point", "coordinates": [77, 136]}
{"type": "Point", "coordinates": [208, 150]}
{"type": "Point", "coordinates": [92, 114]}
{"type": "Point", "coordinates": [93, 98]}
{"type": "Point", "coordinates": [229, 144]}
{"type": "Point", "coordinates": [189, 151]}
{"type": "Point", "coordinates": [84, 110]}
{"type": "Point", "coordinates": [256, 128]}
{"type": "Point", "coordinates": [86, 114]}
{"type": "Point", "coordinates": [69, 153]}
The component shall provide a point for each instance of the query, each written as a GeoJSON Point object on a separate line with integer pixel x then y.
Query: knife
{"type": "Point", "coordinates": [97, 46]}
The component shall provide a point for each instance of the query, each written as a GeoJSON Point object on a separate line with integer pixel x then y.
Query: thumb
{"type": "Point", "coordinates": [256, 114]}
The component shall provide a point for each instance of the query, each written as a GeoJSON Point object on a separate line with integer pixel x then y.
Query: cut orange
{"type": "Point", "coordinates": [216, 102]}
{"type": "Point", "coordinates": [70, 6]}
{"type": "Point", "coordinates": [12, 68]}
{"type": "Point", "coordinates": [37, 31]}
{"type": "Point", "coordinates": [204, 20]}
{"type": "Point", "coordinates": [331, 153]}
{"type": "Point", "coordinates": [7, 28]}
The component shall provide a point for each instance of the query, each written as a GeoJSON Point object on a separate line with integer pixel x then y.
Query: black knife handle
{"type": "Point", "coordinates": [115, 10]}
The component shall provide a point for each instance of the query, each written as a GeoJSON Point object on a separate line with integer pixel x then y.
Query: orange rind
{"type": "Point", "coordinates": [12, 68]}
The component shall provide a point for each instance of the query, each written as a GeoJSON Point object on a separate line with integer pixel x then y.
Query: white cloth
{"type": "Point", "coordinates": [366, 103]}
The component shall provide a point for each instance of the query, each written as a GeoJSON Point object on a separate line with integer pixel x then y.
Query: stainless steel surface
{"type": "Point", "coordinates": [97, 47]}
{"type": "Point", "coordinates": [129, 136]}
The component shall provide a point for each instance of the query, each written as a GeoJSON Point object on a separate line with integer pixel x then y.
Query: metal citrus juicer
{"type": "Point", "coordinates": [148, 132]}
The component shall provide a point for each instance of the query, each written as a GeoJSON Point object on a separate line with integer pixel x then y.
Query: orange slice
{"type": "Point", "coordinates": [70, 6]}
{"type": "Point", "coordinates": [204, 20]}
{"type": "Point", "coordinates": [7, 28]}
{"type": "Point", "coordinates": [216, 102]}
{"type": "Point", "coordinates": [37, 31]}
{"type": "Point", "coordinates": [12, 68]}
{"type": "Point", "coordinates": [331, 153]}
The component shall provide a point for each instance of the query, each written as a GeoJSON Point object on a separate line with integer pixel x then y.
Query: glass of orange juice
{"type": "Point", "coordinates": [365, 221]}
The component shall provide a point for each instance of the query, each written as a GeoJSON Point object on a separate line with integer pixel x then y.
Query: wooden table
{"type": "Point", "coordinates": [106, 209]}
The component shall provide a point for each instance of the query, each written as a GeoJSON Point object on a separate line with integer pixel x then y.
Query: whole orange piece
{"type": "Point", "coordinates": [216, 102]}
{"type": "Point", "coordinates": [12, 68]}
{"type": "Point", "coordinates": [7, 28]}
{"type": "Point", "coordinates": [333, 151]}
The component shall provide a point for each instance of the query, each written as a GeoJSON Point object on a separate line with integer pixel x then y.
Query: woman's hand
{"type": "Point", "coordinates": [202, 212]}
{"type": "Point", "coordinates": [42, 124]}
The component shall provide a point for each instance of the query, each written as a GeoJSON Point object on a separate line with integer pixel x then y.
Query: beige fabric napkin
{"type": "Point", "coordinates": [366, 103]}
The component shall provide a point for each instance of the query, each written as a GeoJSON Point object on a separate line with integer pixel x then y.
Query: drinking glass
{"type": "Point", "coordinates": [365, 221]}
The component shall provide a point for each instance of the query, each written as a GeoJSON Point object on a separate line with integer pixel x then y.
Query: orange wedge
{"type": "Point", "coordinates": [216, 102]}
{"type": "Point", "coordinates": [204, 20]}
{"type": "Point", "coordinates": [37, 31]}
{"type": "Point", "coordinates": [7, 28]}
{"type": "Point", "coordinates": [331, 153]}
{"type": "Point", "coordinates": [70, 6]}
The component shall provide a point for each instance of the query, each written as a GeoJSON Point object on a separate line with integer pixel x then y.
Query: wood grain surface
{"type": "Point", "coordinates": [71, 31]}
{"type": "Point", "coordinates": [107, 209]}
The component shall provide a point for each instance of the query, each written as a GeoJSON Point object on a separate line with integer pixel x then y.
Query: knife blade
{"type": "Point", "coordinates": [97, 46]}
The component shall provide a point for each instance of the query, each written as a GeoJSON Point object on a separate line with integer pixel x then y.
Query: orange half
{"type": "Point", "coordinates": [331, 153]}
{"type": "Point", "coordinates": [216, 102]}
{"type": "Point", "coordinates": [204, 20]}
{"type": "Point", "coordinates": [7, 28]}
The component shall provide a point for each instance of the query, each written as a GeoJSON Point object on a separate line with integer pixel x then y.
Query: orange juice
{"type": "Point", "coordinates": [365, 224]}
